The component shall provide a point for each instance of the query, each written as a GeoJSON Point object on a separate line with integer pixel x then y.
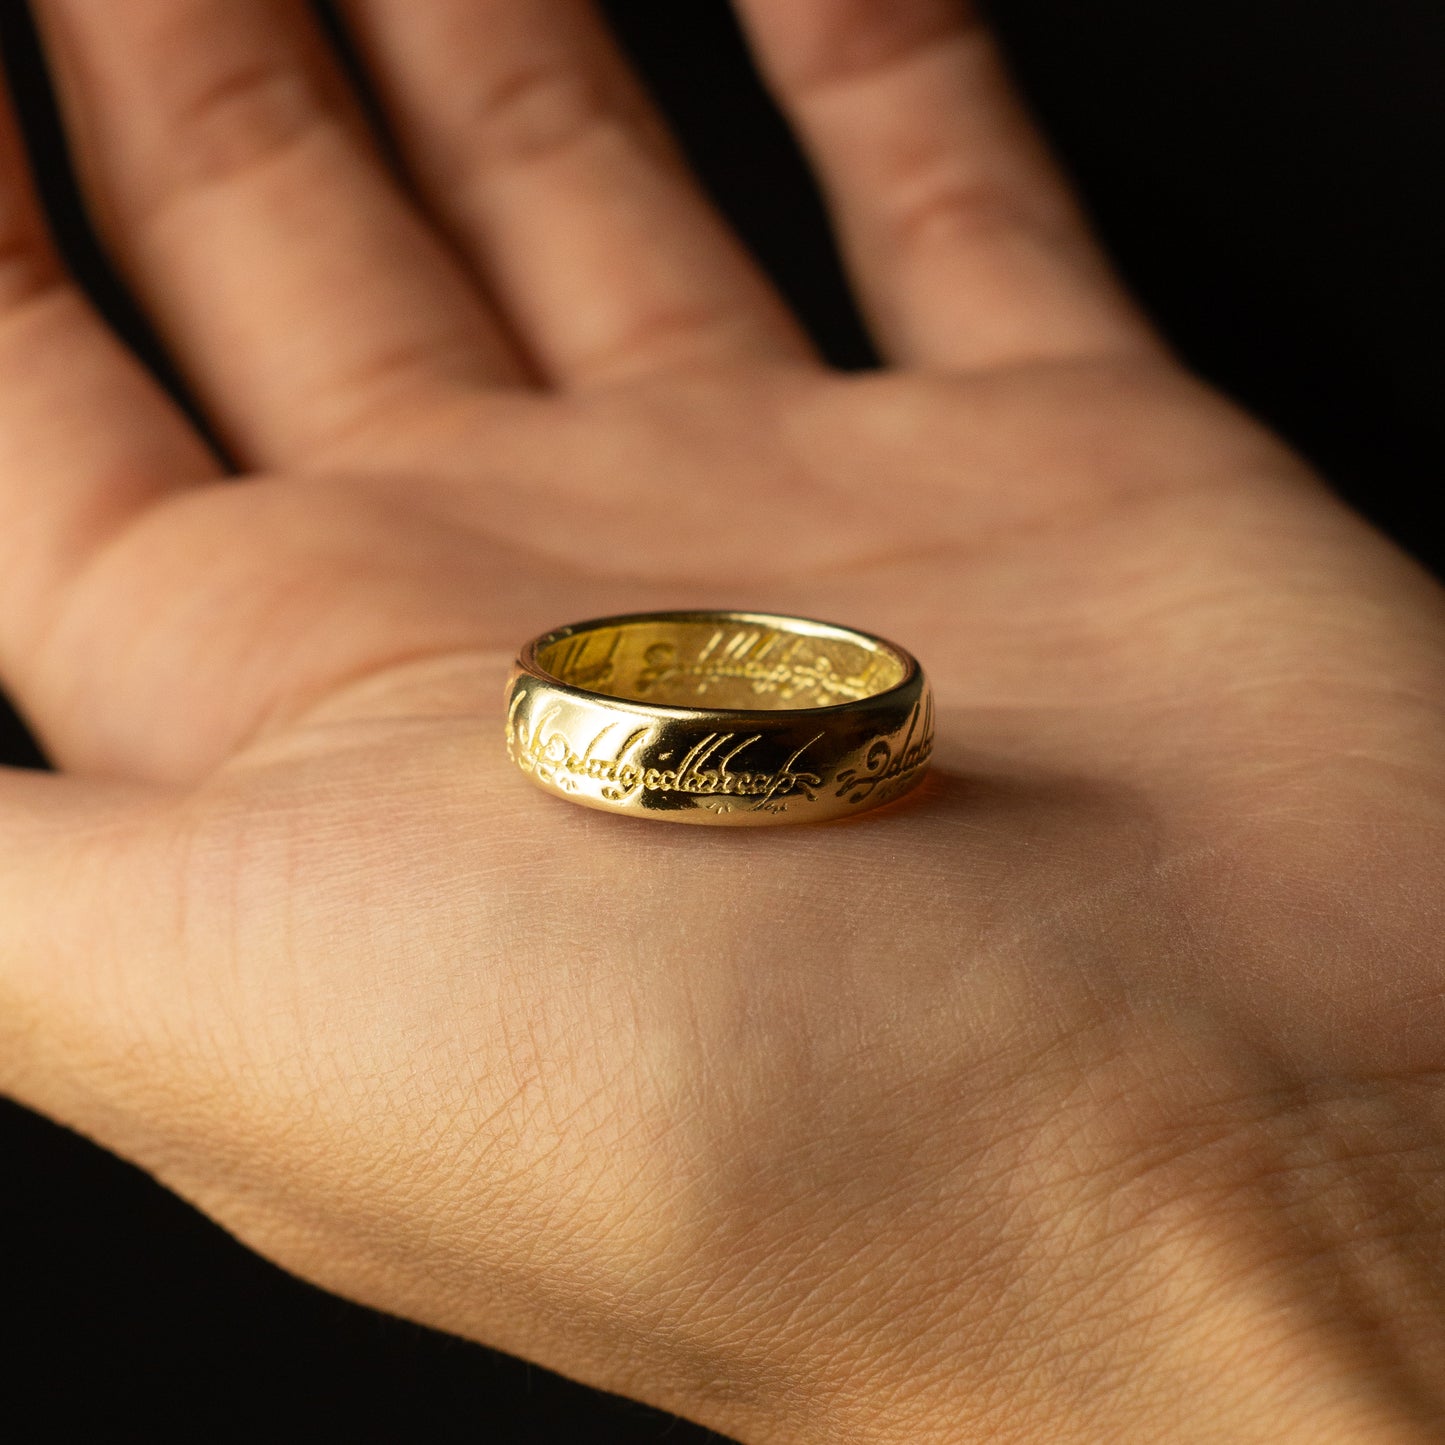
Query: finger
{"type": "Point", "coordinates": [88, 442]}
{"type": "Point", "coordinates": [301, 292]}
{"type": "Point", "coordinates": [533, 141]}
{"type": "Point", "coordinates": [966, 244]}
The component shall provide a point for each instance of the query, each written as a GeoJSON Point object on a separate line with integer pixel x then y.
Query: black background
{"type": "Point", "coordinates": [1269, 175]}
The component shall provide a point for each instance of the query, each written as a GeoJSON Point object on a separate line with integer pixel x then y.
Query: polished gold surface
{"type": "Point", "coordinates": [736, 718]}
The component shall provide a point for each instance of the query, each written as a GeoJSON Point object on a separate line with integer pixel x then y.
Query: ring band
{"type": "Point", "coordinates": [740, 718]}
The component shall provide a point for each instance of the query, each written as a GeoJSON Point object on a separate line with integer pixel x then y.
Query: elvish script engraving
{"type": "Point", "coordinates": [588, 660]}
{"type": "Point", "coordinates": [709, 769]}
{"type": "Point", "coordinates": [756, 658]}
{"type": "Point", "coordinates": [888, 770]}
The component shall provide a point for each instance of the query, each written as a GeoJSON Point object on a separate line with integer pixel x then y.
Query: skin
{"type": "Point", "coordinates": [1093, 1092]}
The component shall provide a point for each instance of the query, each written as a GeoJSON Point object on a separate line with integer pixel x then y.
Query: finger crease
{"type": "Point", "coordinates": [247, 122]}
{"type": "Point", "coordinates": [374, 394]}
{"type": "Point", "coordinates": [867, 61]}
{"type": "Point", "coordinates": [671, 334]}
{"type": "Point", "coordinates": [537, 113]}
{"type": "Point", "coordinates": [974, 211]}
{"type": "Point", "coordinates": [28, 271]}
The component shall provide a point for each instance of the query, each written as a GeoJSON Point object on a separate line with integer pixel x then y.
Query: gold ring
{"type": "Point", "coordinates": [719, 717]}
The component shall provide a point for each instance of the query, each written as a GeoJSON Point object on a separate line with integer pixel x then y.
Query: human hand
{"type": "Point", "coordinates": [1089, 1094]}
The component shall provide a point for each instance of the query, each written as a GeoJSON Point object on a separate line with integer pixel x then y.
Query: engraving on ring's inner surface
{"type": "Point", "coordinates": [707, 663]}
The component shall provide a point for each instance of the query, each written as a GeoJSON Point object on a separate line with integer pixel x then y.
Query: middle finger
{"type": "Point", "coordinates": [537, 146]}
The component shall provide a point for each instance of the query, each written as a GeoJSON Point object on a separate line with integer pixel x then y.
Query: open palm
{"type": "Point", "coordinates": [814, 1133]}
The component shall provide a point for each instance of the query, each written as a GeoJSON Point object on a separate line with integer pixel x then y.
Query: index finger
{"type": "Point", "coordinates": [966, 242]}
